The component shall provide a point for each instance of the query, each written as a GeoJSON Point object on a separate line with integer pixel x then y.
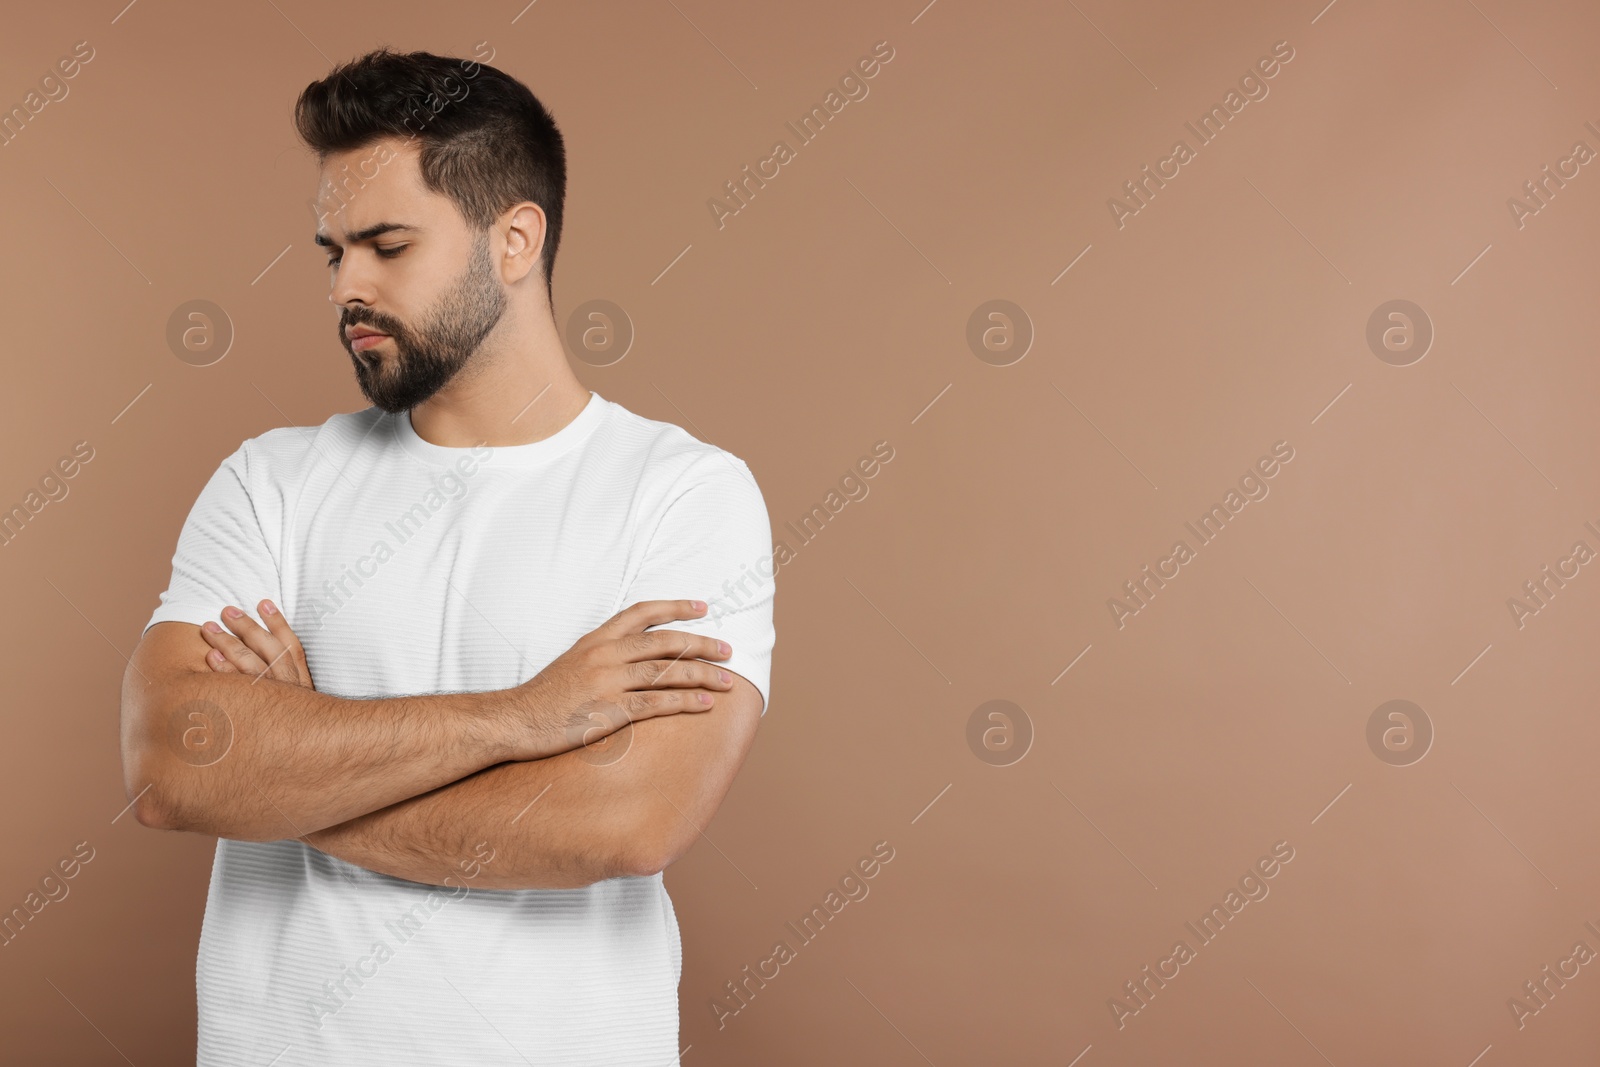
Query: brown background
{"type": "Point", "coordinates": [828, 315]}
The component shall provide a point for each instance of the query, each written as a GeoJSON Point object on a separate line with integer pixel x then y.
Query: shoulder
{"type": "Point", "coordinates": [286, 453]}
{"type": "Point", "coordinates": [668, 458]}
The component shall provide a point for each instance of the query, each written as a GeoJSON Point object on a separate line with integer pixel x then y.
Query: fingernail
{"type": "Point", "coordinates": [722, 676]}
{"type": "Point", "coordinates": [213, 627]}
{"type": "Point", "coordinates": [215, 656]}
{"type": "Point", "coordinates": [232, 613]}
{"type": "Point", "coordinates": [722, 646]}
{"type": "Point", "coordinates": [268, 608]}
{"type": "Point", "coordinates": [699, 605]}
{"type": "Point", "coordinates": [705, 698]}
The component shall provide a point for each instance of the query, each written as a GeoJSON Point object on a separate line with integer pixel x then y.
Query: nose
{"type": "Point", "coordinates": [352, 281]}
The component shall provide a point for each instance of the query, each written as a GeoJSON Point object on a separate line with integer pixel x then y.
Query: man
{"type": "Point", "coordinates": [425, 855]}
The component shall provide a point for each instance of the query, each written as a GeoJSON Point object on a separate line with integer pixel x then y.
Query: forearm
{"type": "Point", "coordinates": [553, 823]}
{"type": "Point", "coordinates": [568, 820]}
{"type": "Point", "coordinates": [258, 759]}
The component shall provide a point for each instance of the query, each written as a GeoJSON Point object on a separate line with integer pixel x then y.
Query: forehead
{"type": "Point", "coordinates": [379, 181]}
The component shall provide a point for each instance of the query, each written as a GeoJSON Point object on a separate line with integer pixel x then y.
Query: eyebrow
{"type": "Point", "coordinates": [366, 235]}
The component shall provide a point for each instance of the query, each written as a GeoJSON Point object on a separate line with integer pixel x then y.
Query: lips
{"type": "Point", "coordinates": [363, 337]}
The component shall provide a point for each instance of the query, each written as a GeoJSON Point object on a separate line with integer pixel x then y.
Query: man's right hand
{"type": "Point", "coordinates": [618, 674]}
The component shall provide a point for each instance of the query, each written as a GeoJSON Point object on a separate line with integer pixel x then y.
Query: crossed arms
{"type": "Point", "coordinates": [409, 786]}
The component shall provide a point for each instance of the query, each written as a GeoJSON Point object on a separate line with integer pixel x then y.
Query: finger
{"type": "Point", "coordinates": [260, 641]}
{"type": "Point", "coordinates": [280, 629]}
{"type": "Point", "coordinates": [673, 644]}
{"type": "Point", "coordinates": [217, 660]}
{"type": "Point", "coordinates": [635, 618]}
{"type": "Point", "coordinates": [655, 702]}
{"type": "Point", "coordinates": [666, 673]}
{"type": "Point", "coordinates": [236, 651]}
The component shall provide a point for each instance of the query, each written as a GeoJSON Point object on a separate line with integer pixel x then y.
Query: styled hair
{"type": "Point", "coordinates": [486, 140]}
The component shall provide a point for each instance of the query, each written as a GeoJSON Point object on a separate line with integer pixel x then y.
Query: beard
{"type": "Point", "coordinates": [427, 358]}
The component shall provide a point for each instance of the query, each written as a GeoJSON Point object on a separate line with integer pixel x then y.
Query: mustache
{"type": "Point", "coordinates": [381, 323]}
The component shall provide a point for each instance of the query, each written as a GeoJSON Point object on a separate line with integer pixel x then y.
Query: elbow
{"type": "Point", "coordinates": [161, 784]}
{"type": "Point", "coordinates": [149, 797]}
{"type": "Point", "coordinates": [146, 797]}
{"type": "Point", "coordinates": [643, 863]}
{"type": "Point", "coordinates": [160, 805]}
{"type": "Point", "coordinates": [658, 844]}
{"type": "Point", "coordinates": [142, 766]}
{"type": "Point", "coordinates": [148, 809]}
{"type": "Point", "coordinates": [156, 790]}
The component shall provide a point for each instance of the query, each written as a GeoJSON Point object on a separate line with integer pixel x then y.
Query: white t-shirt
{"type": "Point", "coordinates": [407, 567]}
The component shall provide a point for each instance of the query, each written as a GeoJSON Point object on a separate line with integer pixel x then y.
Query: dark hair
{"type": "Point", "coordinates": [486, 140]}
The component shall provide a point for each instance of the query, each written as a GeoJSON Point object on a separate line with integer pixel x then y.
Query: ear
{"type": "Point", "coordinates": [524, 227]}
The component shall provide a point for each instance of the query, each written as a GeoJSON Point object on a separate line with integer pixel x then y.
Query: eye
{"type": "Point", "coordinates": [386, 253]}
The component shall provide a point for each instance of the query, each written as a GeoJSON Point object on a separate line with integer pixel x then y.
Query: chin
{"type": "Point", "coordinates": [395, 410]}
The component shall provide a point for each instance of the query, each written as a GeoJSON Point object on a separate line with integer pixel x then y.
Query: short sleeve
{"type": "Point", "coordinates": [222, 556]}
{"type": "Point", "coordinates": [714, 543]}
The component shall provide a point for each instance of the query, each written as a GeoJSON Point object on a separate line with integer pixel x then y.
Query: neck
{"type": "Point", "coordinates": [517, 389]}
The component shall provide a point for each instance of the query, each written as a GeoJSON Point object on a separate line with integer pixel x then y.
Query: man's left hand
{"type": "Point", "coordinates": [273, 652]}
